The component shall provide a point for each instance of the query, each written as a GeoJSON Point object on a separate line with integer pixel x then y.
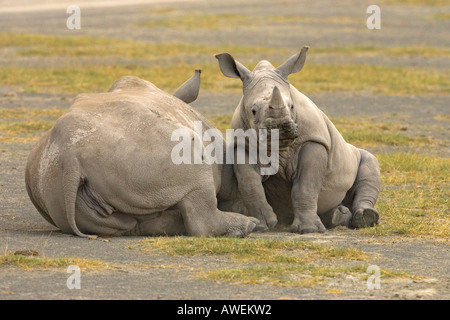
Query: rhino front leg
{"type": "Point", "coordinates": [252, 192]}
{"type": "Point", "coordinates": [362, 196]}
{"type": "Point", "coordinates": [306, 187]}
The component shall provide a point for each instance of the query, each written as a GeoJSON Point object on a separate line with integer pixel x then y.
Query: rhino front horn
{"type": "Point", "coordinates": [276, 101]}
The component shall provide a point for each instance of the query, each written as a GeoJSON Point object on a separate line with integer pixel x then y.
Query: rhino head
{"type": "Point", "coordinates": [267, 102]}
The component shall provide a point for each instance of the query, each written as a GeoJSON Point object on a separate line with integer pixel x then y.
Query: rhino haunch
{"type": "Point", "coordinates": [322, 180]}
{"type": "Point", "coordinates": [105, 168]}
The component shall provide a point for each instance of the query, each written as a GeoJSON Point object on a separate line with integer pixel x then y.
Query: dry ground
{"type": "Point", "coordinates": [135, 273]}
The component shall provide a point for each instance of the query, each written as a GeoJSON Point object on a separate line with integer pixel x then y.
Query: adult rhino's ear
{"type": "Point", "coordinates": [293, 64]}
{"type": "Point", "coordinates": [232, 68]}
{"type": "Point", "coordinates": [188, 91]}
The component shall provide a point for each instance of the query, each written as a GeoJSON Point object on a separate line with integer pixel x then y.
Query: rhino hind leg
{"type": "Point", "coordinates": [202, 218]}
{"type": "Point", "coordinates": [90, 221]}
{"type": "Point", "coordinates": [361, 198]}
{"type": "Point", "coordinates": [166, 223]}
{"type": "Point", "coordinates": [95, 216]}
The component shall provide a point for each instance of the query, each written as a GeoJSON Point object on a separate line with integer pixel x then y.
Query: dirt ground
{"type": "Point", "coordinates": [22, 228]}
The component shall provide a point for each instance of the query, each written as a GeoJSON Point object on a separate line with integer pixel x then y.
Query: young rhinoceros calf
{"type": "Point", "coordinates": [322, 180]}
{"type": "Point", "coordinates": [106, 168]}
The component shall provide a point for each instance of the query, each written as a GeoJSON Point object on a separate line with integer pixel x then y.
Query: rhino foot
{"type": "Point", "coordinates": [267, 218]}
{"type": "Point", "coordinates": [239, 225]}
{"type": "Point", "coordinates": [307, 226]}
{"type": "Point", "coordinates": [364, 218]}
{"type": "Point", "coordinates": [341, 216]}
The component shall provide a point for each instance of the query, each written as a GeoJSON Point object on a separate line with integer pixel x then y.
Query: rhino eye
{"type": "Point", "coordinates": [292, 106]}
{"type": "Point", "coordinates": [254, 111]}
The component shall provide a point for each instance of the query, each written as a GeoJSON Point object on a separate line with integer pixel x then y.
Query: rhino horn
{"type": "Point", "coordinates": [276, 101]}
{"type": "Point", "coordinates": [293, 64]}
{"type": "Point", "coordinates": [188, 91]}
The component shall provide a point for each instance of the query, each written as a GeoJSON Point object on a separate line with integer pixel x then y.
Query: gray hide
{"type": "Point", "coordinates": [322, 180]}
{"type": "Point", "coordinates": [106, 168]}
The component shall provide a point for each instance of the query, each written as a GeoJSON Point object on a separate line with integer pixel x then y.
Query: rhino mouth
{"type": "Point", "coordinates": [285, 139]}
{"type": "Point", "coordinates": [287, 128]}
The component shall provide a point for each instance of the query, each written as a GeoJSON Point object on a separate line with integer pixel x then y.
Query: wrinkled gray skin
{"type": "Point", "coordinates": [105, 168]}
{"type": "Point", "coordinates": [322, 180]}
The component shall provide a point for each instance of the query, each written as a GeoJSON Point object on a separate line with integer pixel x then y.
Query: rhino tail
{"type": "Point", "coordinates": [71, 183]}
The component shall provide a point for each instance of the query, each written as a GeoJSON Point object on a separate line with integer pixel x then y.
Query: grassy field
{"type": "Point", "coordinates": [412, 195]}
{"type": "Point", "coordinates": [79, 69]}
{"type": "Point", "coordinates": [271, 261]}
{"type": "Point", "coordinates": [415, 185]}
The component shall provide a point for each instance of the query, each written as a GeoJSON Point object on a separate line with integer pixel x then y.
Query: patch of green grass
{"type": "Point", "coordinates": [222, 122]}
{"type": "Point", "coordinates": [282, 275]}
{"type": "Point", "coordinates": [84, 46]}
{"type": "Point", "coordinates": [89, 79]}
{"type": "Point", "coordinates": [313, 78]}
{"type": "Point", "coordinates": [404, 51]}
{"type": "Point", "coordinates": [27, 127]}
{"type": "Point", "coordinates": [269, 261]}
{"type": "Point", "coordinates": [87, 75]}
{"type": "Point", "coordinates": [413, 212]}
{"type": "Point", "coordinates": [442, 117]}
{"type": "Point", "coordinates": [372, 79]}
{"type": "Point", "coordinates": [410, 168]}
{"type": "Point", "coordinates": [33, 262]}
{"type": "Point", "coordinates": [8, 114]}
{"type": "Point", "coordinates": [285, 275]}
{"type": "Point", "coordinates": [248, 250]}
{"type": "Point", "coordinates": [441, 16]}
{"type": "Point", "coordinates": [182, 20]}
{"type": "Point", "coordinates": [38, 45]}
{"type": "Point", "coordinates": [414, 199]}
{"type": "Point", "coordinates": [194, 21]}
{"type": "Point", "coordinates": [363, 133]}
{"type": "Point", "coordinates": [23, 124]}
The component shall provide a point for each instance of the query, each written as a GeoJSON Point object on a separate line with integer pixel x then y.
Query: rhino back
{"type": "Point", "coordinates": [122, 142]}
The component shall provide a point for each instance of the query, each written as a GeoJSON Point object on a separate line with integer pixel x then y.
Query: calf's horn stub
{"type": "Point", "coordinates": [276, 101]}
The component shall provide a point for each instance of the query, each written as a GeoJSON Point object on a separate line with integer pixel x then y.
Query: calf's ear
{"type": "Point", "coordinates": [232, 68]}
{"type": "Point", "coordinates": [293, 64]}
{"type": "Point", "coordinates": [188, 91]}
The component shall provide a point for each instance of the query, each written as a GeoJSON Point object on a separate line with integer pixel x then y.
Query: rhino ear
{"type": "Point", "coordinates": [232, 68]}
{"type": "Point", "coordinates": [188, 91]}
{"type": "Point", "coordinates": [294, 63]}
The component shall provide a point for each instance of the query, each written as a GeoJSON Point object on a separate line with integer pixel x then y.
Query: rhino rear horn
{"type": "Point", "coordinates": [294, 63]}
{"type": "Point", "coordinates": [188, 91]}
{"type": "Point", "coordinates": [232, 68]}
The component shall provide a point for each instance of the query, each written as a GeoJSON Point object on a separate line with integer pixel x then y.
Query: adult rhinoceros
{"type": "Point", "coordinates": [105, 168]}
{"type": "Point", "coordinates": [321, 178]}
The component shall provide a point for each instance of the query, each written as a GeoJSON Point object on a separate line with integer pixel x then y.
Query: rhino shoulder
{"type": "Point", "coordinates": [312, 122]}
